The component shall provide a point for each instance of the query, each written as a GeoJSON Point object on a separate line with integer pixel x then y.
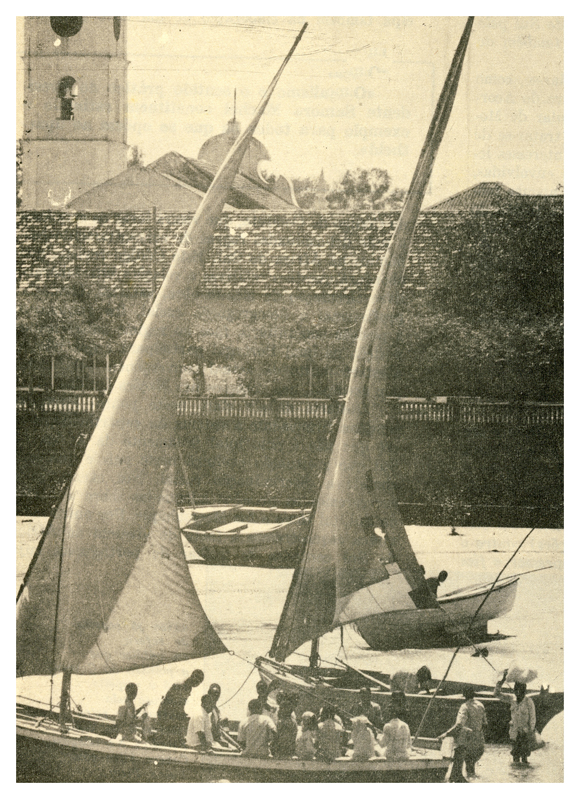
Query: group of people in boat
{"type": "Point", "coordinates": [272, 728]}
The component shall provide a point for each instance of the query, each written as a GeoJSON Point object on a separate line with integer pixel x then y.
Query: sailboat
{"type": "Point", "coordinates": [108, 589]}
{"type": "Point", "coordinates": [358, 565]}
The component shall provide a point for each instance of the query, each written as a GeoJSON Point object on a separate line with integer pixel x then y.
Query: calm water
{"type": "Point", "coordinates": [244, 605]}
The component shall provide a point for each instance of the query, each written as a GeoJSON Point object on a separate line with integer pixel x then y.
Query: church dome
{"type": "Point", "coordinates": [214, 150]}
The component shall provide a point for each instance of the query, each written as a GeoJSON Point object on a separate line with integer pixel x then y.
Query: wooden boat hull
{"type": "Point", "coordinates": [271, 538]}
{"type": "Point", "coordinates": [341, 688]}
{"type": "Point", "coordinates": [46, 755]}
{"type": "Point", "coordinates": [424, 629]}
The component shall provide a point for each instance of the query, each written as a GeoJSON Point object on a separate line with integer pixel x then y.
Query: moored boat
{"type": "Point", "coordinates": [341, 686]}
{"type": "Point", "coordinates": [239, 535]}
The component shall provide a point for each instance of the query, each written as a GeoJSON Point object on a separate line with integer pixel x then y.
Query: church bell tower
{"type": "Point", "coordinates": [75, 107]}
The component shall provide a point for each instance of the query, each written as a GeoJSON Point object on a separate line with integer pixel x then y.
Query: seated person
{"type": "Point", "coordinates": [363, 740]}
{"type": "Point", "coordinates": [199, 730]}
{"type": "Point", "coordinates": [257, 732]}
{"type": "Point", "coordinates": [306, 740]}
{"type": "Point", "coordinates": [330, 732]}
{"type": "Point", "coordinates": [284, 744]}
{"type": "Point", "coordinates": [396, 738]}
{"type": "Point", "coordinates": [370, 709]}
{"type": "Point", "coordinates": [132, 724]}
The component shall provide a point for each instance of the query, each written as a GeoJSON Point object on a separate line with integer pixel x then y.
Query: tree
{"type": "Point", "coordinates": [305, 191]}
{"type": "Point", "coordinates": [509, 260]}
{"type": "Point", "coordinates": [77, 321]}
{"type": "Point", "coordinates": [365, 189]}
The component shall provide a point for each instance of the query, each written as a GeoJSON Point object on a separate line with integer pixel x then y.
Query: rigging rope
{"type": "Point", "coordinates": [223, 704]}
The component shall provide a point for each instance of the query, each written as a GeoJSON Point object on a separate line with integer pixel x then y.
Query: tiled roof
{"type": "Point", "coordinates": [481, 197]}
{"type": "Point", "coordinates": [316, 253]}
{"type": "Point", "coordinates": [246, 193]}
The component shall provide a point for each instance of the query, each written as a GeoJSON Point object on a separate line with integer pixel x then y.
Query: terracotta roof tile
{"type": "Point", "coordinates": [267, 252]}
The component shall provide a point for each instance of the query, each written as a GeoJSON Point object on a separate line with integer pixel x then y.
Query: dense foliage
{"type": "Point", "coordinates": [77, 321]}
{"type": "Point", "coordinates": [489, 324]}
{"type": "Point", "coordinates": [510, 260]}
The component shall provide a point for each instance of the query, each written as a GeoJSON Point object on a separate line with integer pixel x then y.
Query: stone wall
{"type": "Point", "coordinates": [444, 474]}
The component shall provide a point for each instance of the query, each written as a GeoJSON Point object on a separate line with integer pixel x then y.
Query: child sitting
{"type": "Point", "coordinates": [306, 740]}
{"type": "Point", "coordinates": [363, 739]}
{"type": "Point", "coordinates": [330, 731]}
{"type": "Point", "coordinates": [396, 735]}
{"type": "Point", "coordinates": [284, 744]}
{"type": "Point", "coordinates": [130, 725]}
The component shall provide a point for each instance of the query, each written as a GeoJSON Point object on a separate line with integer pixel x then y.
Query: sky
{"type": "Point", "coordinates": [359, 92]}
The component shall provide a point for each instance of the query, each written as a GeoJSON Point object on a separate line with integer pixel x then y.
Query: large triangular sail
{"type": "Point", "coordinates": [109, 589]}
{"type": "Point", "coordinates": [358, 561]}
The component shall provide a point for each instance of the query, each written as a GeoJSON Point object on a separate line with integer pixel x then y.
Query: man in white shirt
{"type": "Point", "coordinates": [199, 734]}
{"type": "Point", "coordinates": [256, 732]}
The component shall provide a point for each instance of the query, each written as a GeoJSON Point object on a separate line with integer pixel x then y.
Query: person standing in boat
{"type": "Point", "coordinates": [128, 719]}
{"type": "Point", "coordinates": [433, 583]}
{"type": "Point", "coordinates": [269, 708]}
{"type": "Point", "coordinates": [257, 732]}
{"type": "Point", "coordinates": [469, 734]}
{"type": "Point", "coordinates": [172, 719]}
{"type": "Point", "coordinates": [523, 718]}
{"type": "Point", "coordinates": [284, 744]}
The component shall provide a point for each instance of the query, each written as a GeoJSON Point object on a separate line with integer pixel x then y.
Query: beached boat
{"type": "Point", "coordinates": [358, 566]}
{"type": "Point", "coordinates": [108, 589]}
{"type": "Point", "coordinates": [428, 628]}
{"type": "Point", "coordinates": [239, 535]}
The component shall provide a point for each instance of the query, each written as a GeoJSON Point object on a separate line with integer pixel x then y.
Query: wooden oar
{"type": "Point", "coordinates": [366, 676]}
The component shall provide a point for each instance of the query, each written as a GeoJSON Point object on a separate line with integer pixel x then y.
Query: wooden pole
{"type": "Point", "coordinates": [64, 714]}
{"type": "Point", "coordinates": [107, 372]}
{"type": "Point", "coordinates": [52, 372]}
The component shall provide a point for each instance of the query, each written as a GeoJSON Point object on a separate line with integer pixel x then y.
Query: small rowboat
{"type": "Point", "coordinates": [236, 535]}
{"type": "Point", "coordinates": [426, 628]}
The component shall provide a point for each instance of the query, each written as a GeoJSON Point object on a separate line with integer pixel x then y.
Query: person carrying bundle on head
{"type": "Point", "coordinates": [523, 717]}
